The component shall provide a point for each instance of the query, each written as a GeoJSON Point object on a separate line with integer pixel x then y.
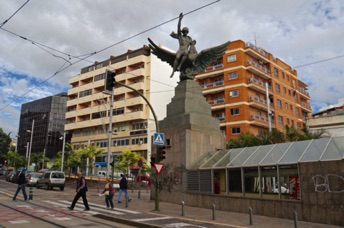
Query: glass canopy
{"type": "Point", "coordinates": [323, 149]}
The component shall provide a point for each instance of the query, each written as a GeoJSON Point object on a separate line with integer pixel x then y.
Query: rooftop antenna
{"type": "Point", "coordinates": [255, 38]}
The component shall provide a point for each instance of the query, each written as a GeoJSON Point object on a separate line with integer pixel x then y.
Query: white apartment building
{"type": "Point", "coordinates": [133, 125]}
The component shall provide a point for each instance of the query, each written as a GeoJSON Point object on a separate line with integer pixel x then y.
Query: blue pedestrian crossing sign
{"type": "Point", "coordinates": [159, 139]}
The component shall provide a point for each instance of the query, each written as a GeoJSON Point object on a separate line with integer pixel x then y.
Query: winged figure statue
{"type": "Point", "coordinates": [195, 63]}
{"type": "Point", "coordinates": [187, 60]}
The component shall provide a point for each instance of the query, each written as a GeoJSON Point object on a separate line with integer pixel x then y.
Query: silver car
{"type": "Point", "coordinates": [31, 178]}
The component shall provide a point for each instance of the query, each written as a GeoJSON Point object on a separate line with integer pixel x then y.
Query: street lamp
{"type": "Point", "coordinates": [63, 149]}
{"type": "Point", "coordinates": [31, 132]}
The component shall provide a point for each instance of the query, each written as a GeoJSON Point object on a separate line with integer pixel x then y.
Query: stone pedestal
{"type": "Point", "coordinates": [191, 131]}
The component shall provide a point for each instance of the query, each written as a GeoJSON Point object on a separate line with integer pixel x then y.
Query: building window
{"type": "Point", "coordinates": [282, 74]}
{"type": "Point", "coordinates": [231, 58]}
{"type": "Point", "coordinates": [291, 107]}
{"type": "Point", "coordinates": [120, 142]}
{"type": "Point", "coordinates": [235, 130]}
{"type": "Point", "coordinates": [100, 65]}
{"type": "Point", "coordinates": [99, 77]}
{"type": "Point", "coordinates": [90, 68]}
{"type": "Point", "coordinates": [297, 111]}
{"type": "Point", "coordinates": [118, 111]}
{"type": "Point", "coordinates": [298, 125]}
{"type": "Point", "coordinates": [289, 92]}
{"type": "Point", "coordinates": [278, 89]}
{"type": "Point", "coordinates": [235, 111]}
{"type": "Point", "coordinates": [234, 93]}
{"type": "Point", "coordinates": [292, 122]}
{"type": "Point", "coordinates": [85, 93]}
{"type": "Point", "coordinates": [285, 90]}
{"type": "Point", "coordinates": [288, 121]}
{"type": "Point", "coordinates": [139, 140]}
{"type": "Point", "coordinates": [280, 120]}
{"type": "Point", "coordinates": [275, 71]}
{"type": "Point", "coordinates": [139, 126]}
{"type": "Point", "coordinates": [232, 75]}
{"type": "Point", "coordinates": [286, 105]}
{"type": "Point", "coordinates": [279, 104]}
{"type": "Point", "coordinates": [288, 78]}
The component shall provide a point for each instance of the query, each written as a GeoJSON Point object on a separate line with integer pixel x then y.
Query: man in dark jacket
{"type": "Point", "coordinates": [21, 185]}
{"type": "Point", "coordinates": [123, 186]}
{"type": "Point", "coordinates": [81, 189]}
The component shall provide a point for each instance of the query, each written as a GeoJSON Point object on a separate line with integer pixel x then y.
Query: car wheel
{"type": "Point", "coordinates": [61, 188]}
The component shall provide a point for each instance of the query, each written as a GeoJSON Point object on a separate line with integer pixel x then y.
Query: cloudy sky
{"type": "Point", "coordinates": [44, 43]}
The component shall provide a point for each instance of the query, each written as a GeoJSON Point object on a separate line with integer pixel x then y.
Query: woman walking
{"type": "Point", "coordinates": [109, 192]}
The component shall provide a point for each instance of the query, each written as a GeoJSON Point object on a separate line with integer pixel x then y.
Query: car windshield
{"type": "Point", "coordinates": [57, 175]}
{"type": "Point", "coordinates": [35, 174]}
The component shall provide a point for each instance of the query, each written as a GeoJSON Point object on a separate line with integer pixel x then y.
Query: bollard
{"type": "Point", "coordinates": [295, 219]}
{"type": "Point", "coordinates": [30, 193]}
{"type": "Point", "coordinates": [139, 194]}
{"type": "Point", "coordinates": [126, 201]}
{"type": "Point", "coordinates": [183, 208]}
{"type": "Point", "coordinates": [250, 215]}
{"type": "Point", "coordinates": [213, 211]}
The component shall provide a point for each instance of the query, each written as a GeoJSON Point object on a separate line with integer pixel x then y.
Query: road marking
{"type": "Point", "coordinates": [182, 224]}
{"type": "Point", "coordinates": [151, 219]}
{"type": "Point", "coordinates": [62, 219]}
{"type": "Point", "coordinates": [116, 209]}
{"type": "Point", "coordinates": [19, 221]}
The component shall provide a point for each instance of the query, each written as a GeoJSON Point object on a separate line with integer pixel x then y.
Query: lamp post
{"type": "Point", "coordinates": [28, 160]}
{"type": "Point", "coordinates": [63, 149]}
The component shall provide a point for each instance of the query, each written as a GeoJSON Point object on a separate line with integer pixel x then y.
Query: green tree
{"type": "Point", "coordinates": [90, 152]}
{"type": "Point", "coordinates": [245, 139]}
{"type": "Point", "coordinates": [307, 134]}
{"type": "Point", "coordinates": [14, 159]}
{"type": "Point", "coordinates": [5, 141]}
{"type": "Point", "coordinates": [291, 133]}
{"type": "Point", "coordinates": [38, 158]}
{"type": "Point", "coordinates": [126, 160]}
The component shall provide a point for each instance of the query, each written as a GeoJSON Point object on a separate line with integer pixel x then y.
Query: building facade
{"type": "Point", "coordinates": [329, 119]}
{"type": "Point", "coordinates": [237, 86]}
{"type": "Point", "coordinates": [44, 119]}
{"type": "Point", "coordinates": [133, 123]}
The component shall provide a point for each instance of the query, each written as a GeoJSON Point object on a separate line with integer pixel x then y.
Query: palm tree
{"type": "Point", "coordinates": [307, 134]}
{"type": "Point", "coordinates": [37, 158]}
{"type": "Point", "coordinates": [15, 159]}
{"type": "Point", "coordinates": [127, 159]}
{"type": "Point", "coordinates": [246, 139]}
{"type": "Point", "coordinates": [91, 152]}
{"type": "Point", "coordinates": [291, 133]}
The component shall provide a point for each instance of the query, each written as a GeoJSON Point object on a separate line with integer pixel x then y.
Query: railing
{"type": "Point", "coordinates": [217, 101]}
{"type": "Point", "coordinates": [258, 82]}
{"type": "Point", "coordinates": [302, 90]}
{"type": "Point", "coordinates": [214, 67]}
{"type": "Point", "coordinates": [257, 65]}
{"type": "Point", "coordinates": [261, 51]}
{"type": "Point", "coordinates": [214, 84]}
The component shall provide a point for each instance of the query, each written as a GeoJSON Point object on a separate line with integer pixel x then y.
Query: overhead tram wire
{"type": "Point", "coordinates": [93, 53]}
{"type": "Point", "coordinates": [3, 23]}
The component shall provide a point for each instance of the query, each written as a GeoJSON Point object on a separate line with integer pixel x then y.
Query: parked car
{"type": "Point", "coordinates": [51, 179]}
{"type": "Point", "coordinates": [31, 178]}
{"type": "Point", "coordinates": [9, 174]}
{"type": "Point", "coordinates": [14, 177]}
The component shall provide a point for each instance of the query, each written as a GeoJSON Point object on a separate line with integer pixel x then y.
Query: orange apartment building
{"type": "Point", "coordinates": [235, 86]}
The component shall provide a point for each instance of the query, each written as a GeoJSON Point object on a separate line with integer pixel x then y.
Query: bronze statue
{"type": "Point", "coordinates": [187, 60]}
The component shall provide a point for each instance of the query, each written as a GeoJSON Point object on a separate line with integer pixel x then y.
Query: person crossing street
{"type": "Point", "coordinates": [21, 186]}
{"type": "Point", "coordinates": [123, 186]}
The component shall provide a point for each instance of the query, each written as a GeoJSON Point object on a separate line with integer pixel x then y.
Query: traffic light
{"type": "Point", "coordinates": [161, 153]}
{"type": "Point", "coordinates": [153, 159]}
{"type": "Point", "coordinates": [110, 80]}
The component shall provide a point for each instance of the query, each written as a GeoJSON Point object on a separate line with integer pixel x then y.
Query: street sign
{"type": "Point", "coordinates": [140, 163]}
{"type": "Point", "coordinates": [159, 139]}
{"type": "Point", "coordinates": [158, 167]}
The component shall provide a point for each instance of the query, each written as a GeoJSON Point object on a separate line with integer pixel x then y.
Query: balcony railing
{"type": "Point", "coordinates": [257, 65]}
{"type": "Point", "coordinates": [256, 81]}
{"type": "Point", "coordinates": [214, 67]}
{"type": "Point", "coordinates": [261, 51]}
{"type": "Point", "coordinates": [217, 101]}
{"type": "Point", "coordinates": [214, 84]}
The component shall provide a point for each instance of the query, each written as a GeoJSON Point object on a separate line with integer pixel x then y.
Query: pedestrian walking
{"type": "Point", "coordinates": [109, 192]}
{"type": "Point", "coordinates": [21, 185]}
{"type": "Point", "coordinates": [81, 189]}
{"type": "Point", "coordinates": [123, 186]}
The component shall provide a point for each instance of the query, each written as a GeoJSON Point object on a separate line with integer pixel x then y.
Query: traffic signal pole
{"type": "Point", "coordinates": [157, 184]}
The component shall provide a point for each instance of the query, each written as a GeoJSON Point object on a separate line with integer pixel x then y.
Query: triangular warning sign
{"type": "Point", "coordinates": [158, 167]}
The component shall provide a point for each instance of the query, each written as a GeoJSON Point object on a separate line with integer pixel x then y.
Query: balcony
{"type": "Point", "coordinates": [306, 106]}
{"type": "Point", "coordinates": [260, 121]}
{"type": "Point", "coordinates": [259, 103]}
{"type": "Point", "coordinates": [255, 51]}
{"type": "Point", "coordinates": [258, 69]}
{"type": "Point", "coordinates": [214, 67]}
{"type": "Point", "coordinates": [214, 84]}
{"type": "Point", "coordinates": [257, 85]}
{"type": "Point", "coordinates": [304, 93]}
{"type": "Point", "coordinates": [217, 101]}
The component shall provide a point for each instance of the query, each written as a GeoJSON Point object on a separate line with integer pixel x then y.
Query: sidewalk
{"type": "Point", "coordinates": [204, 216]}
